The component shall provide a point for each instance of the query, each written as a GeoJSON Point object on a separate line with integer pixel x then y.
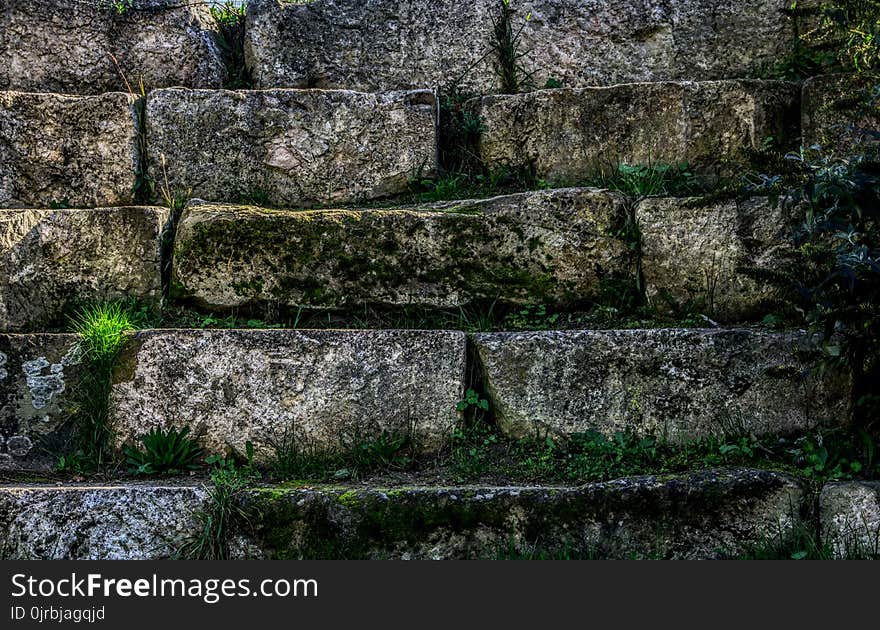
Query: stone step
{"type": "Point", "coordinates": [38, 378]}
{"type": "Point", "coordinates": [550, 246]}
{"type": "Point", "coordinates": [702, 515]}
{"type": "Point", "coordinates": [290, 147]}
{"type": "Point", "coordinates": [387, 44]}
{"type": "Point", "coordinates": [555, 246]}
{"type": "Point", "coordinates": [332, 389]}
{"type": "Point", "coordinates": [327, 389]}
{"type": "Point", "coordinates": [94, 47]}
{"type": "Point", "coordinates": [565, 135]}
{"type": "Point", "coordinates": [849, 513]}
{"type": "Point", "coordinates": [51, 259]}
{"type": "Point", "coordinates": [66, 150]}
{"type": "Point", "coordinates": [702, 254]}
{"type": "Point", "coordinates": [676, 384]}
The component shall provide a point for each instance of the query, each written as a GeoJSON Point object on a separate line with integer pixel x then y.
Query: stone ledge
{"type": "Point", "coordinates": [327, 389]}
{"type": "Point", "coordinates": [51, 259]}
{"type": "Point", "coordinates": [565, 135]}
{"type": "Point", "coordinates": [551, 246]}
{"type": "Point", "coordinates": [83, 48]}
{"type": "Point", "coordinates": [73, 151]}
{"type": "Point", "coordinates": [702, 515]}
{"type": "Point", "coordinates": [291, 147]}
{"type": "Point", "coordinates": [325, 43]}
{"type": "Point", "coordinates": [674, 384]}
{"type": "Point", "coordinates": [38, 374]}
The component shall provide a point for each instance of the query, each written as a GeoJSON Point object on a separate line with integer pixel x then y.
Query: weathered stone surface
{"type": "Point", "coordinates": [79, 151]}
{"type": "Point", "coordinates": [388, 44]}
{"type": "Point", "coordinates": [136, 522]}
{"type": "Point", "coordinates": [841, 112]}
{"type": "Point", "coordinates": [674, 384]}
{"type": "Point", "coordinates": [327, 389]}
{"type": "Point", "coordinates": [37, 375]}
{"type": "Point", "coordinates": [292, 147]}
{"type": "Point", "coordinates": [543, 246]}
{"type": "Point", "coordinates": [52, 258]}
{"type": "Point", "coordinates": [91, 47]}
{"type": "Point", "coordinates": [567, 134]}
{"type": "Point", "coordinates": [705, 515]}
{"type": "Point", "coordinates": [850, 518]}
{"type": "Point", "coordinates": [696, 253]}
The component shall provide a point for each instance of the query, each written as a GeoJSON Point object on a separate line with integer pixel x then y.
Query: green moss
{"type": "Point", "coordinates": [349, 499]}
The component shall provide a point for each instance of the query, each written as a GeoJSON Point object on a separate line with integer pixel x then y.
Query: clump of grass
{"type": "Point", "coordinates": [648, 180]}
{"type": "Point", "coordinates": [222, 513]}
{"type": "Point", "coordinates": [230, 18]}
{"type": "Point", "coordinates": [804, 543]}
{"type": "Point", "coordinates": [295, 458]}
{"type": "Point", "coordinates": [102, 329]}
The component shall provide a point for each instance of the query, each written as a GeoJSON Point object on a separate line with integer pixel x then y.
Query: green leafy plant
{"type": "Point", "coordinates": [831, 36]}
{"type": "Point", "coordinates": [832, 275]}
{"type": "Point", "coordinates": [164, 452]}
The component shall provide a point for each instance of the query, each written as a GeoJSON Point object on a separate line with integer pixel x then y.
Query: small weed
{"type": "Point", "coordinates": [648, 180]}
{"type": "Point", "coordinates": [222, 514]}
{"type": "Point", "coordinates": [164, 452]}
{"type": "Point", "coordinates": [532, 317]}
{"type": "Point", "coordinates": [471, 450]}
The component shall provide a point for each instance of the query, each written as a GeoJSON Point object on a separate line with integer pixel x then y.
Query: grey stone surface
{"type": "Point", "coordinates": [709, 514]}
{"type": "Point", "coordinates": [849, 513]}
{"type": "Point", "coordinates": [549, 246]}
{"type": "Point", "coordinates": [567, 134]}
{"type": "Point", "coordinates": [78, 151]}
{"type": "Point", "coordinates": [389, 44]}
{"type": "Point", "coordinates": [86, 47]}
{"type": "Point", "coordinates": [674, 384]}
{"type": "Point", "coordinates": [291, 147]}
{"type": "Point", "coordinates": [327, 389]}
{"type": "Point", "coordinates": [841, 112]}
{"type": "Point", "coordinates": [50, 259]}
{"type": "Point", "coordinates": [697, 252]}
{"type": "Point", "coordinates": [136, 522]}
{"type": "Point", "coordinates": [37, 375]}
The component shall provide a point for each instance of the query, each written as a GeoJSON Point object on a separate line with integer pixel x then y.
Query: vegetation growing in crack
{"type": "Point", "coordinates": [506, 45]}
{"type": "Point", "coordinates": [230, 18]}
{"type": "Point", "coordinates": [223, 512]}
{"type": "Point", "coordinates": [102, 329]}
